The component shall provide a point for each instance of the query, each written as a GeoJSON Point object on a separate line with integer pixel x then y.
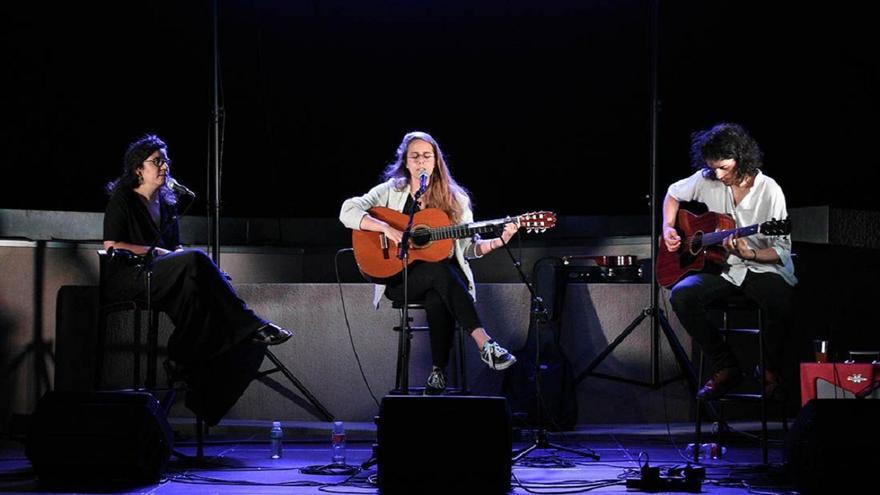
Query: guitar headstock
{"type": "Point", "coordinates": [776, 227]}
{"type": "Point", "coordinates": [537, 221]}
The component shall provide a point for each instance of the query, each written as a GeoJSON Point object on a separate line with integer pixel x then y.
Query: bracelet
{"type": "Point", "coordinates": [755, 255]}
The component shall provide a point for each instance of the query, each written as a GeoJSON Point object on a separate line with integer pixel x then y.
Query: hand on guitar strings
{"type": "Point", "coordinates": [671, 239]}
{"type": "Point", "coordinates": [510, 229]}
{"type": "Point", "coordinates": [392, 233]}
{"type": "Point", "coordinates": [738, 247]}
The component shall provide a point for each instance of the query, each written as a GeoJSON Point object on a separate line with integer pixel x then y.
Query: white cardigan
{"type": "Point", "coordinates": [385, 194]}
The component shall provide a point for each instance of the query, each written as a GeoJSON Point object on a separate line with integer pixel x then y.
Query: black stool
{"type": "Point", "coordinates": [726, 306]}
{"type": "Point", "coordinates": [105, 309]}
{"type": "Point", "coordinates": [401, 381]}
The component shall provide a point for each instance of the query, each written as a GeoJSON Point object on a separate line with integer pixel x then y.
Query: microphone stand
{"type": "Point", "coordinates": [403, 256]}
{"type": "Point", "coordinates": [540, 315]}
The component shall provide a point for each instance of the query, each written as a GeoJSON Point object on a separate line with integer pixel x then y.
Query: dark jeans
{"type": "Point", "coordinates": [443, 288]}
{"type": "Point", "coordinates": [692, 294]}
{"type": "Point", "coordinates": [208, 316]}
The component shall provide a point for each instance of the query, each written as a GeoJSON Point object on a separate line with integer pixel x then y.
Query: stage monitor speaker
{"type": "Point", "coordinates": [444, 444]}
{"type": "Point", "coordinates": [834, 445]}
{"type": "Point", "coordinates": [99, 438]}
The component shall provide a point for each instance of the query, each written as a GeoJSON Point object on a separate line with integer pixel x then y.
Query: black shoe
{"type": "Point", "coordinates": [774, 389]}
{"type": "Point", "coordinates": [496, 357]}
{"type": "Point", "coordinates": [771, 380]}
{"type": "Point", "coordinates": [176, 373]}
{"type": "Point", "coordinates": [436, 382]}
{"type": "Point", "coordinates": [271, 334]}
{"type": "Point", "coordinates": [722, 382]}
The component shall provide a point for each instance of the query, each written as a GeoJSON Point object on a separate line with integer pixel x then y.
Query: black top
{"type": "Point", "coordinates": [410, 205]}
{"type": "Point", "coordinates": [127, 219]}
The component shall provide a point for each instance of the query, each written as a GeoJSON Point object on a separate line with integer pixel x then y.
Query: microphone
{"type": "Point", "coordinates": [423, 180]}
{"type": "Point", "coordinates": [178, 187]}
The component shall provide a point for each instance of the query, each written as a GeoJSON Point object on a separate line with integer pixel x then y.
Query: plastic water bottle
{"type": "Point", "coordinates": [276, 438]}
{"type": "Point", "coordinates": [707, 451]}
{"type": "Point", "coordinates": [337, 443]}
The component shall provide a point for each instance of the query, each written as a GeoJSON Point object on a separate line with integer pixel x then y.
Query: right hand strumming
{"type": "Point", "coordinates": [671, 238]}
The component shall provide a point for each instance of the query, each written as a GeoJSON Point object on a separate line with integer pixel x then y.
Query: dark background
{"type": "Point", "coordinates": [539, 105]}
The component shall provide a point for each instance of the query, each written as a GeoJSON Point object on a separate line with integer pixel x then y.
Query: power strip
{"type": "Point", "coordinates": [651, 481]}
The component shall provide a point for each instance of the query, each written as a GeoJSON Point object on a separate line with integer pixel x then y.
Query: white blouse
{"type": "Point", "coordinates": [763, 202]}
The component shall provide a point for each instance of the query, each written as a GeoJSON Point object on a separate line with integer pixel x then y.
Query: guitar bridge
{"type": "Point", "coordinates": [383, 243]}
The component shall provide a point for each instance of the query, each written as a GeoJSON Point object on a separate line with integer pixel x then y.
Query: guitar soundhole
{"type": "Point", "coordinates": [420, 237]}
{"type": "Point", "coordinates": [696, 244]}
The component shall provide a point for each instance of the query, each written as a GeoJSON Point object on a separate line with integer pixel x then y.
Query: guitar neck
{"type": "Point", "coordinates": [468, 230]}
{"type": "Point", "coordinates": [716, 237]}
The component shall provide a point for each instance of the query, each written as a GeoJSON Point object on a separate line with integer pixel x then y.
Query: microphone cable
{"type": "Point", "coordinates": [348, 324]}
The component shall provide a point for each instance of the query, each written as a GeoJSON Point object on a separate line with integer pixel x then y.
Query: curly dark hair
{"type": "Point", "coordinates": [135, 154]}
{"type": "Point", "coordinates": [724, 141]}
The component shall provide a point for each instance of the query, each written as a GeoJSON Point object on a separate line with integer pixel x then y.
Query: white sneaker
{"type": "Point", "coordinates": [496, 356]}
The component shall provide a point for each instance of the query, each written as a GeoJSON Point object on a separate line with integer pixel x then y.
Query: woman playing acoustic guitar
{"type": "Point", "coordinates": [729, 181]}
{"type": "Point", "coordinates": [447, 286]}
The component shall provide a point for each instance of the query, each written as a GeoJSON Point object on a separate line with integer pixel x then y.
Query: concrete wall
{"type": "Point", "coordinates": [322, 353]}
{"type": "Point", "coordinates": [31, 273]}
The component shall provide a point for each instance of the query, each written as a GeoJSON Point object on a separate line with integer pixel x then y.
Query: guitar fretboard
{"type": "Point", "coordinates": [467, 230]}
{"type": "Point", "coordinates": [717, 237]}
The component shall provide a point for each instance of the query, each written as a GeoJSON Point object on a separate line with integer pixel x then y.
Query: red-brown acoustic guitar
{"type": "Point", "coordinates": [431, 240]}
{"type": "Point", "coordinates": [701, 236]}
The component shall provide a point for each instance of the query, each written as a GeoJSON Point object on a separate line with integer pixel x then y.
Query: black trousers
{"type": "Point", "coordinates": [208, 316]}
{"type": "Point", "coordinates": [692, 294]}
{"type": "Point", "coordinates": [443, 288]}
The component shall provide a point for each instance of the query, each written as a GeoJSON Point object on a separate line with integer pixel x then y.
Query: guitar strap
{"type": "Point", "coordinates": [410, 205]}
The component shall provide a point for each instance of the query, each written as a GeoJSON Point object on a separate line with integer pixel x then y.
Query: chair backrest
{"type": "Point", "coordinates": [107, 306]}
{"type": "Point", "coordinates": [103, 259]}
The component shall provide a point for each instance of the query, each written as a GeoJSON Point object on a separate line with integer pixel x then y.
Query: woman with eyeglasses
{"type": "Point", "coordinates": [446, 287]}
{"type": "Point", "coordinates": [141, 230]}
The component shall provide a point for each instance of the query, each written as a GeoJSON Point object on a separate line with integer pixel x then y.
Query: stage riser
{"type": "Point", "coordinates": [320, 354]}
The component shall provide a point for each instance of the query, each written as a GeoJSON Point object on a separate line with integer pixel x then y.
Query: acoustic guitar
{"type": "Point", "coordinates": [701, 236]}
{"type": "Point", "coordinates": [431, 239]}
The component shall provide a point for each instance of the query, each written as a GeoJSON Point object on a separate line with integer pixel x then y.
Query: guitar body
{"type": "Point", "coordinates": [432, 238]}
{"type": "Point", "coordinates": [673, 266]}
{"type": "Point", "coordinates": [376, 256]}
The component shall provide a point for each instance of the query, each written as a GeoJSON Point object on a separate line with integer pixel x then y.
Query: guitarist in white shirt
{"type": "Point", "coordinates": [729, 181]}
{"type": "Point", "coordinates": [447, 287]}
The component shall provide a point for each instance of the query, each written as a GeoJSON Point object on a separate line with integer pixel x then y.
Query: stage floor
{"type": "Point", "coordinates": [237, 461]}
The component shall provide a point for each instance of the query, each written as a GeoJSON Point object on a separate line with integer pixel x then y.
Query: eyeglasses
{"type": "Point", "coordinates": [159, 161]}
{"type": "Point", "coordinates": [426, 155]}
